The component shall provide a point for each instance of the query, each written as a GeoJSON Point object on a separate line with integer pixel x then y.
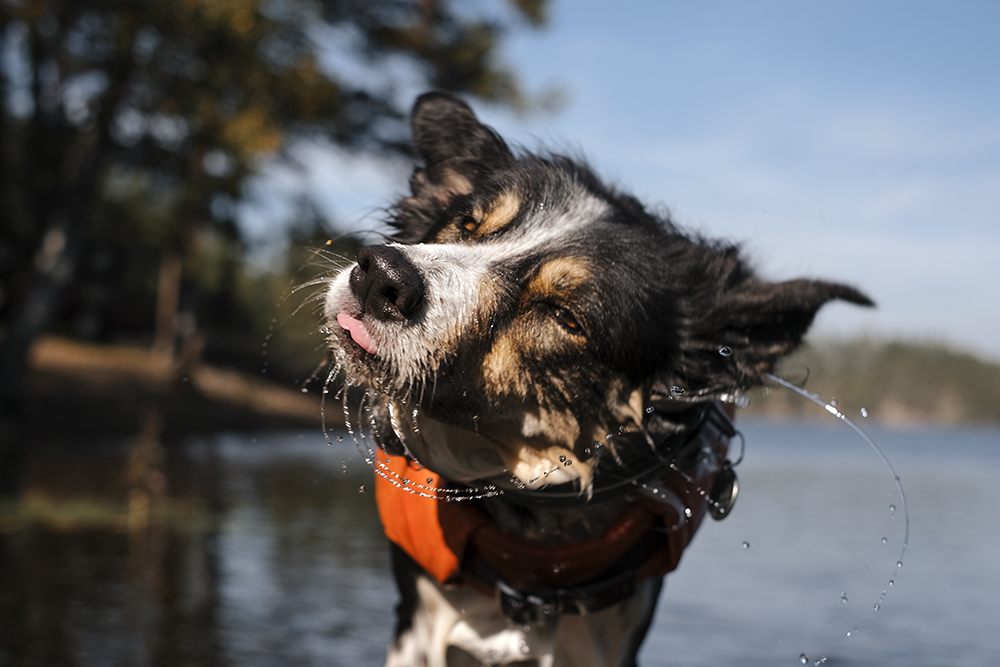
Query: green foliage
{"type": "Point", "coordinates": [129, 130]}
{"type": "Point", "coordinates": [894, 381]}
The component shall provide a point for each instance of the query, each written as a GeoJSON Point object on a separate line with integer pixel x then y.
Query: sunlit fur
{"type": "Point", "coordinates": [553, 313]}
{"type": "Point", "coordinates": [555, 307]}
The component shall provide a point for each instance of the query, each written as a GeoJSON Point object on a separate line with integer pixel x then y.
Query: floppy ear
{"type": "Point", "coordinates": [457, 151]}
{"type": "Point", "coordinates": [731, 342]}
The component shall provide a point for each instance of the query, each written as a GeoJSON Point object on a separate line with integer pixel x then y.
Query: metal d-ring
{"type": "Point", "coordinates": [722, 496]}
{"type": "Point", "coordinates": [743, 447]}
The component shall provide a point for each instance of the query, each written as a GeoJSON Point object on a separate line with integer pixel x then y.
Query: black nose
{"type": "Point", "coordinates": [386, 283]}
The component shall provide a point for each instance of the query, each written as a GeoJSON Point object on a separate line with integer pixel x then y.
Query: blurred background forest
{"type": "Point", "coordinates": [131, 137]}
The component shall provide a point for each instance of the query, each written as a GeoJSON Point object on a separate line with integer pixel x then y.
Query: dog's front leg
{"type": "Point", "coordinates": [451, 626]}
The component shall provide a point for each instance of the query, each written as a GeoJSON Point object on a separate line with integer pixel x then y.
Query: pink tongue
{"type": "Point", "coordinates": [358, 332]}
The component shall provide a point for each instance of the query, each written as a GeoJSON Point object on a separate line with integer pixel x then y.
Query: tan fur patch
{"type": "Point", "coordinates": [448, 185]}
{"type": "Point", "coordinates": [500, 213]}
{"type": "Point", "coordinates": [559, 277]}
{"type": "Point", "coordinates": [536, 468]}
{"type": "Point", "coordinates": [628, 409]}
{"type": "Point", "coordinates": [481, 221]}
{"type": "Point", "coordinates": [502, 368]}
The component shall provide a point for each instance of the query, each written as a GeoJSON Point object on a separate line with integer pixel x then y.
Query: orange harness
{"type": "Point", "coordinates": [439, 535]}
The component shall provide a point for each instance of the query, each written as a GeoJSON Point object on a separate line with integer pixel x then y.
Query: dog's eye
{"type": "Point", "coordinates": [468, 223]}
{"type": "Point", "coordinates": [568, 320]}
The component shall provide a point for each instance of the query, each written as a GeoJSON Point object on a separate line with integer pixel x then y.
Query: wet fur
{"type": "Point", "coordinates": [525, 311]}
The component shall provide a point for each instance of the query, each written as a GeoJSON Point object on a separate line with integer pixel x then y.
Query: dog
{"type": "Point", "coordinates": [550, 369]}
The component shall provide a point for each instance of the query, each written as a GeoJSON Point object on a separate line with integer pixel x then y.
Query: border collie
{"type": "Point", "coordinates": [549, 371]}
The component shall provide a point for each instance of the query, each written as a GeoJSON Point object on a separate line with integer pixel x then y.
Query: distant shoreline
{"type": "Point", "coordinates": [78, 390]}
{"type": "Point", "coordinates": [895, 382]}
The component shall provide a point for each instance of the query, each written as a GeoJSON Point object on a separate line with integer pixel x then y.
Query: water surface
{"type": "Point", "coordinates": [262, 550]}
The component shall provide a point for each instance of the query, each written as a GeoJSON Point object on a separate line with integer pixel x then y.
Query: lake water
{"type": "Point", "coordinates": [263, 550]}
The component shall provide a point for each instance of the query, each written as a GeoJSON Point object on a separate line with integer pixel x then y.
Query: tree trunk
{"type": "Point", "coordinates": [168, 294]}
{"type": "Point", "coordinates": [54, 265]}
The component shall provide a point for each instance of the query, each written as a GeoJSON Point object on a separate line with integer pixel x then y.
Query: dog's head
{"type": "Point", "coordinates": [526, 311]}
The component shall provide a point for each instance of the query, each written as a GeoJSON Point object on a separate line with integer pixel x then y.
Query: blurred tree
{"type": "Point", "coordinates": [128, 128]}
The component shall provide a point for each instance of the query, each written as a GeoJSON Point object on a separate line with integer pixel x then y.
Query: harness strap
{"type": "Point", "coordinates": [456, 541]}
{"type": "Point", "coordinates": [433, 532]}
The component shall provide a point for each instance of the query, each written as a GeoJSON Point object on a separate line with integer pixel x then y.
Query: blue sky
{"type": "Point", "coordinates": [857, 141]}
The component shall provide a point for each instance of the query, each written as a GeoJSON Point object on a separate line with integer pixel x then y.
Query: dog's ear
{"type": "Point", "coordinates": [731, 341]}
{"type": "Point", "coordinates": [457, 153]}
{"type": "Point", "coordinates": [446, 130]}
{"type": "Point", "coordinates": [764, 321]}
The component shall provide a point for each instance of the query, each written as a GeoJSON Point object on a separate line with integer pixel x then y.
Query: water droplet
{"type": "Point", "coordinates": [687, 512]}
{"type": "Point", "coordinates": [892, 509]}
{"type": "Point", "coordinates": [430, 480]}
{"type": "Point", "coordinates": [361, 489]}
{"type": "Point", "coordinates": [877, 606]}
{"type": "Point", "coordinates": [885, 540]}
{"type": "Point", "coordinates": [843, 597]}
{"type": "Point", "coordinates": [804, 659]}
{"type": "Point", "coordinates": [899, 564]}
{"type": "Point", "coordinates": [567, 463]}
{"type": "Point", "coordinates": [587, 451]}
{"type": "Point", "coordinates": [746, 545]}
{"type": "Point", "coordinates": [305, 390]}
{"type": "Point", "coordinates": [562, 458]}
{"type": "Point", "coordinates": [676, 391]}
{"type": "Point", "coordinates": [892, 583]}
{"type": "Point", "coordinates": [649, 409]}
{"type": "Point", "coordinates": [523, 646]}
{"type": "Point", "coordinates": [725, 350]}
{"type": "Point", "coordinates": [833, 402]}
{"type": "Point", "coordinates": [340, 438]}
{"type": "Point", "coordinates": [864, 412]}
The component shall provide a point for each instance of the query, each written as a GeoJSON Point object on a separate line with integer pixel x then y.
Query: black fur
{"type": "Point", "coordinates": [678, 298]}
{"type": "Point", "coordinates": [638, 326]}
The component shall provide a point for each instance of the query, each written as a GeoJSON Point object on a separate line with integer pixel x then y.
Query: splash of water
{"type": "Point", "coordinates": [370, 455]}
{"type": "Point", "coordinates": [832, 409]}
